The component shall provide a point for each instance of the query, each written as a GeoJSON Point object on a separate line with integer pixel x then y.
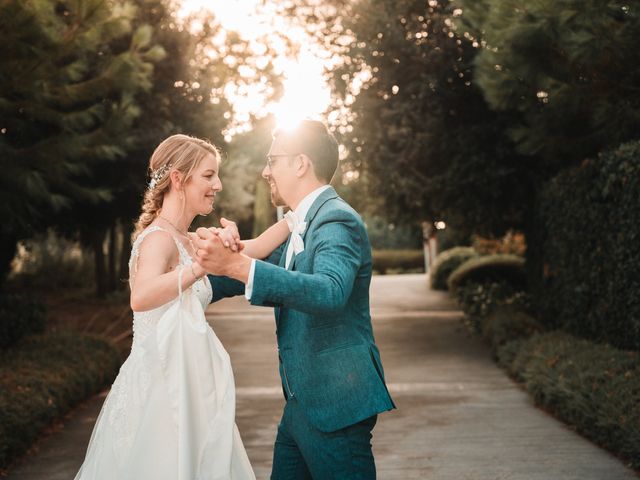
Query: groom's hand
{"type": "Point", "coordinates": [215, 258]}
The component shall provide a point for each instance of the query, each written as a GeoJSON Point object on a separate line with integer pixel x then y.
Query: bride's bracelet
{"type": "Point", "coordinates": [194, 274]}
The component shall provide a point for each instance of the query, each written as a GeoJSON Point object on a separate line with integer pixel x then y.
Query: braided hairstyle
{"type": "Point", "coordinates": [177, 152]}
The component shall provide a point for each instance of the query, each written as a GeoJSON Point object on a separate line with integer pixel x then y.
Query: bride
{"type": "Point", "coordinates": [170, 413]}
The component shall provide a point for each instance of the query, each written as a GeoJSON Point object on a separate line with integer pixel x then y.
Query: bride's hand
{"type": "Point", "coordinates": [229, 235]}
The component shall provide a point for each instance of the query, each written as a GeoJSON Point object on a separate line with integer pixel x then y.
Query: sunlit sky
{"type": "Point", "coordinates": [306, 93]}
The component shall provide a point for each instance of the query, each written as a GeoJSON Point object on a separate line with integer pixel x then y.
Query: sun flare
{"type": "Point", "coordinates": [306, 93]}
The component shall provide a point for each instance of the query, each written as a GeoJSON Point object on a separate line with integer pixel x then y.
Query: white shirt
{"type": "Point", "coordinates": [301, 211]}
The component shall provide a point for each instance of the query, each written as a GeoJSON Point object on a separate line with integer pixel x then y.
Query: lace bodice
{"type": "Point", "coordinates": [144, 321]}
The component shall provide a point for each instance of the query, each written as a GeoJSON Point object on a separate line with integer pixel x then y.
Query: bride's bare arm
{"type": "Point", "coordinates": [267, 242]}
{"type": "Point", "coordinates": [154, 281]}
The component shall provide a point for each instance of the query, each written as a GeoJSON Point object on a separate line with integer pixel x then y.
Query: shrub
{"type": "Point", "coordinates": [398, 261]}
{"type": "Point", "coordinates": [499, 268]}
{"type": "Point", "coordinates": [508, 322]}
{"type": "Point", "coordinates": [592, 386]}
{"type": "Point", "coordinates": [584, 268]}
{"type": "Point", "coordinates": [512, 242]}
{"type": "Point", "coordinates": [20, 315]}
{"type": "Point", "coordinates": [446, 262]}
{"type": "Point", "coordinates": [480, 299]}
{"type": "Point", "coordinates": [42, 378]}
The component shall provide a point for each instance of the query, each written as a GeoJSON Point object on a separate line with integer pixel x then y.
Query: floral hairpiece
{"type": "Point", "coordinates": [157, 176]}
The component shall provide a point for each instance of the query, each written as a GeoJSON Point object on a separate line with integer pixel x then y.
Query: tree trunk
{"type": "Point", "coordinates": [97, 244]}
{"type": "Point", "coordinates": [263, 211]}
{"type": "Point", "coordinates": [8, 246]}
{"type": "Point", "coordinates": [112, 245]}
{"type": "Point", "coordinates": [125, 250]}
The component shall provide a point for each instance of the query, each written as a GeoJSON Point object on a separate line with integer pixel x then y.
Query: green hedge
{"type": "Point", "coordinates": [487, 268]}
{"type": "Point", "coordinates": [586, 254]}
{"type": "Point", "coordinates": [42, 377]}
{"type": "Point", "coordinates": [592, 386]}
{"type": "Point", "coordinates": [446, 262]}
{"type": "Point", "coordinates": [398, 260]}
{"type": "Point", "coordinates": [478, 300]}
{"type": "Point", "coordinates": [20, 315]}
{"type": "Point", "coordinates": [506, 323]}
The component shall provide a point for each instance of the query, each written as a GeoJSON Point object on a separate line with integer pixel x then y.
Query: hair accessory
{"type": "Point", "coordinates": [157, 176]}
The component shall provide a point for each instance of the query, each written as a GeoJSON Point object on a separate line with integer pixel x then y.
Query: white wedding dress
{"type": "Point", "coordinates": [170, 414]}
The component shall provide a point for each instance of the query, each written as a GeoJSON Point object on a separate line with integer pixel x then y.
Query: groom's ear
{"type": "Point", "coordinates": [303, 165]}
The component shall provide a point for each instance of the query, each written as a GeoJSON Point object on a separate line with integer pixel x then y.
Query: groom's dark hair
{"type": "Point", "coordinates": [312, 138]}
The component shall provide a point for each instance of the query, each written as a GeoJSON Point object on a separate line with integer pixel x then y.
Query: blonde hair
{"type": "Point", "coordinates": [177, 152]}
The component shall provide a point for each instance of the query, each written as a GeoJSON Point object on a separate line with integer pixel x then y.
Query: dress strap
{"type": "Point", "coordinates": [180, 282]}
{"type": "Point", "coordinates": [185, 259]}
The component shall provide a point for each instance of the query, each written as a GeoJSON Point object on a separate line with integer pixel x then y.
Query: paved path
{"type": "Point", "coordinates": [459, 416]}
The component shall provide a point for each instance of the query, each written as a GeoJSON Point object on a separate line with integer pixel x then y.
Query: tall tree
{"type": "Point", "coordinates": [568, 70]}
{"type": "Point", "coordinates": [184, 91]}
{"type": "Point", "coordinates": [67, 89]}
{"type": "Point", "coordinates": [419, 134]}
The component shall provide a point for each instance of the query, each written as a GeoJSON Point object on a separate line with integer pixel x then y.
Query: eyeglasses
{"type": "Point", "coordinates": [271, 159]}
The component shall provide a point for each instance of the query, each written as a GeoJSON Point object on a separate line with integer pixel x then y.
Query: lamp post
{"type": "Point", "coordinates": [428, 235]}
{"type": "Point", "coordinates": [430, 242]}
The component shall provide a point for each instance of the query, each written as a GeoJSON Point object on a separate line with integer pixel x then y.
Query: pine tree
{"type": "Point", "coordinates": [569, 69]}
{"type": "Point", "coordinates": [67, 95]}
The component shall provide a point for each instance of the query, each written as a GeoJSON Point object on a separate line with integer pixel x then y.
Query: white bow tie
{"type": "Point", "coordinates": [296, 244]}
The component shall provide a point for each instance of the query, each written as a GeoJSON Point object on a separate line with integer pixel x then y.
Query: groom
{"type": "Point", "coordinates": [318, 282]}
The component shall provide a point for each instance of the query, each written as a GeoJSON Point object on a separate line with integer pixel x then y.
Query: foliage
{"type": "Point", "coordinates": [446, 262]}
{"type": "Point", "coordinates": [68, 80]}
{"type": "Point", "coordinates": [387, 235]}
{"type": "Point", "coordinates": [585, 278]}
{"type": "Point", "coordinates": [451, 237]}
{"type": "Point", "coordinates": [594, 387]}
{"type": "Point", "coordinates": [479, 299]}
{"type": "Point", "coordinates": [486, 268]}
{"type": "Point", "coordinates": [568, 70]}
{"type": "Point", "coordinates": [419, 129]}
{"type": "Point", "coordinates": [88, 89]}
{"type": "Point", "coordinates": [50, 262]}
{"type": "Point", "coordinates": [42, 378]}
{"type": "Point", "coordinates": [183, 84]}
{"type": "Point", "coordinates": [246, 195]}
{"type": "Point", "coordinates": [397, 261]}
{"type": "Point", "coordinates": [20, 315]}
{"type": "Point", "coordinates": [511, 242]}
{"type": "Point", "coordinates": [508, 322]}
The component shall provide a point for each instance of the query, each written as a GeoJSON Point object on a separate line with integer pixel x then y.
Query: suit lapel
{"type": "Point", "coordinates": [325, 196]}
{"type": "Point", "coordinates": [293, 261]}
{"type": "Point", "coordinates": [283, 257]}
{"type": "Point", "coordinates": [281, 263]}
{"type": "Point", "coordinates": [328, 194]}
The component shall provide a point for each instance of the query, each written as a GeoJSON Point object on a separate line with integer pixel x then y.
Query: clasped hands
{"type": "Point", "coordinates": [218, 250]}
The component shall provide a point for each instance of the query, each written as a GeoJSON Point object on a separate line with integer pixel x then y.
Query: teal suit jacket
{"type": "Point", "coordinates": [329, 361]}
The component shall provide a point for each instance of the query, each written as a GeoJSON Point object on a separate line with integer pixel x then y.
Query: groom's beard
{"type": "Point", "coordinates": [276, 198]}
